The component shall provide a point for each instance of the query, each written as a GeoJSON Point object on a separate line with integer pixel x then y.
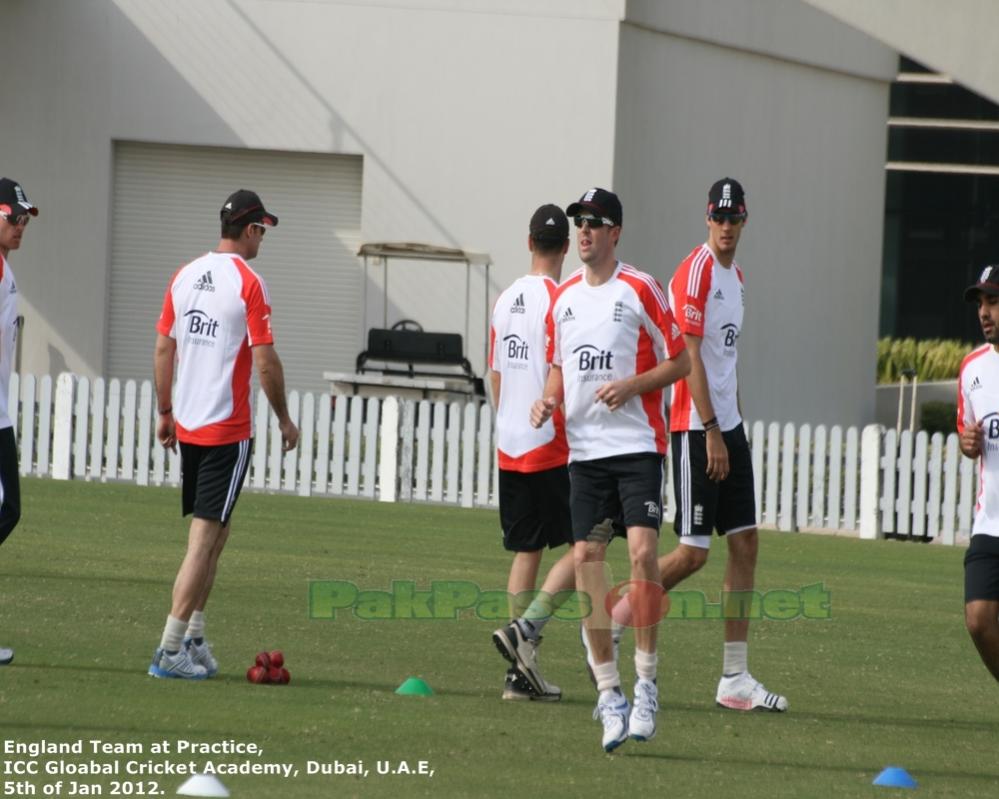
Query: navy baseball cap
{"type": "Point", "coordinates": [13, 200]}
{"type": "Point", "coordinates": [988, 283]}
{"type": "Point", "coordinates": [549, 224]}
{"type": "Point", "coordinates": [600, 202]}
{"type": "Point", "coordinates": [245, 207]}
{"type": "Point", "coordinates": [726, 197]}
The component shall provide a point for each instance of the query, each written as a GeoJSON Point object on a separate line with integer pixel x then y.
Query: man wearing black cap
{"type": "Point", "coordinates": [712, 466]}
{"type": "Point", "coordinates": [978, 429]}
{"type": "Point", "coordinates": [613, 346]}
{"type": "Point", "coordinates": [216, 325]}
{"type": "Point", "coordinates": [15, 213]}
{"type": "Point", "coordinates": [533, 477]}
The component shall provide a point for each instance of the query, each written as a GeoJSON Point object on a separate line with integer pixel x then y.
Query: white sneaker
{"type": "Point", "coordinates": [616, 631]}
{"type": "Point", "coordinates": [642, 724]}
{"type": "Point", "coordinates": [613, 714]}
{"type": "Point", "coordinates": [522, 652]}
{"type": "Point", "coordinates": [178, 665]}
{"type": "Point", "coordinates": [516, 687]}
{"type": "Point", "coordinates": [201, 655]}
{"type": "Point", "coordinates": [6, 655]}
{"type": "Point", "coordinates": [742, 692]}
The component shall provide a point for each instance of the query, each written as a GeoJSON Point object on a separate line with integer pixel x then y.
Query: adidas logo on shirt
{"type": "Point", "coordinates": [518, 305]}
{"type": "Point", "coordinates": [567, 316]}
{"type": "Point", "coordinates": [205, 282]}
{"type": "Point", "coordinates": [976, 383]}
{"type": "Point", "coordinates": [718, 295]}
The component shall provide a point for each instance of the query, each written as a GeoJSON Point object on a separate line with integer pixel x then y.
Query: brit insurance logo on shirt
{"type": "Point", "coordinates": [202, 330]}
{"type": "Point", "coordinates": [990, 427]}
{"type": "Point", "coordinates": [516, 350]}
{"type": "Point", "coordinates": [730, 337]}
{"type": "Point", "coordinates": [595, 364]}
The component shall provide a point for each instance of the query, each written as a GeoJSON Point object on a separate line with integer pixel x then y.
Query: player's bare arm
{"type": "Point", "coordinates": [698, 383]}
{"type": "Point", "coordinates": [542, 409]}
{"type": "Point", "coordinates": [665, 373]}
{"type": "Point", "coordinates": [163, 358]}
{"type": "Point", "coordinates": [971, 440]}
{"type": "Point", "coordinates": [495, 380]}
{"type": "Point", "coordinates": [271, 373]}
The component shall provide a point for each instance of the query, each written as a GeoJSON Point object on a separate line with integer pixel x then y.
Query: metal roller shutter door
{"type": "Point", "coordinates": [165, 213]}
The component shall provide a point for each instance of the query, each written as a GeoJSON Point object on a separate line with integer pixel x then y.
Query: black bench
{"type": "Point", "coordinates": [423, 354]}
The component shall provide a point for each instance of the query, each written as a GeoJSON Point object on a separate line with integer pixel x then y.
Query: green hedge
{"type": "Point", "coordinates": [933, 359]}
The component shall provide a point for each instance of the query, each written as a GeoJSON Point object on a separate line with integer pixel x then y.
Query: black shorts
{"type": "Point", "coordinates": [702, 504]}
{"type": "Point", "coordinates": [212, 478]}
{"type": "Point", "coordinates": [609, 495]}
{"type": "Point", "coordinates": [534, 509]}
{"type": "Point", "coordinates": [981, 568]}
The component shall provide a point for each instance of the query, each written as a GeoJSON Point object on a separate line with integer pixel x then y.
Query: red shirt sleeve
{"type": "Point", "coordinates": [258, 306]}
{"type": "Point", "coordinates": [165, 323]}
{"type": "Point", "coordinates": [690, 286]}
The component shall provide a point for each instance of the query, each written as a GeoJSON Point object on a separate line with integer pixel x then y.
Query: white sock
{"type": "Point", "coordinates": [196, 625]}
{"type": "Point", "coordinates": [646, 664]}
{"type": "Point", "coordinates": [173, 634]}
{"type": "Point", "coordinates": [736, 657]}
{"type": "Point", "coordinates": [607, 676]}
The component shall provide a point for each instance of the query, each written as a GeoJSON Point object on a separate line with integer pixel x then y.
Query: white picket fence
{"type": "Point", "coordinates": [820, 479]}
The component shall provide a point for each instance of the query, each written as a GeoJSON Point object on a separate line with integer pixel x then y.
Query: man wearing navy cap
{"type": "Point", "coordinates": [712, 464]}
{"type": "Point", "coordinates": [613, 347]}
{"type": "Point", "coordinates": [978, 429]}
{"type": "Point", "coordinates": [215, 327]}
{"type": "Point", "coordinates": [15, 213]}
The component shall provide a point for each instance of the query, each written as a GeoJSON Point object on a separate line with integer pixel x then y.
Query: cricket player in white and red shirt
{"type": "Point", "coordinates": [712, 465]}
{"type": "Point", "coordinates": [533, 476]}
{"type": "Point", "coordinates": [215, 324]}
{"type": "Point", "coordinates": [613, 347]}
{"type": "Point", "coordinates": [978, 431]}
{"type": "Point", "coordinates": [15, 213]}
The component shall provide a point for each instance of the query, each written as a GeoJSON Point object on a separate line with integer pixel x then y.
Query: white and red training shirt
{"type": "Point", "coordinates": [8, 336]}
{"type": "Point", "coordinates": [599, 334]}
{"type": "Point", "coordinates": [978, 402]}
{"type": "Point", "coordinates": [517, 352]}
{"type": "Point", "coordinates": [216, 308]}
{"type": "Point", "coordinates": [707, 299]}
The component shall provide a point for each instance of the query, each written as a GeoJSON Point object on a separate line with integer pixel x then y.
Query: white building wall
{"type": "Point", "coordinates": [723, 88]}
{"type": "Point", "coordinates": [463, 113]}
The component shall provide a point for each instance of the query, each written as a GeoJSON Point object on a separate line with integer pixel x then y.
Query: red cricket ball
{"type": "Point", "coordinates": [285, 676]}
{"type": "Point", "coordinates": [263, 660]}
{"type": "Point", "coordinates": [277, 657]}
{"type": "Point", "coordinates": [274, 675]}
{"type": "Point", "coordinates": [257, 674]}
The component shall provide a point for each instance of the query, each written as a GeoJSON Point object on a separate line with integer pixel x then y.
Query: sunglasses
{"type": "Point", "coordinates": [732, 219]}
{"type": "Point", "coordinates": [592, 221]}
{"type": "Point", "coordinates": [263, 228]}
{"type": "Point", "coordinates": [18, 220]}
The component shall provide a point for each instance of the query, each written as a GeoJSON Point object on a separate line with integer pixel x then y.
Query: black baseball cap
{"type": "Point", "coordinates": [726, 197]}
{"type": "Point", "coordinates": [549, 223]}
{"type": "Point", "coordinates": [13, 199]}
{"type": "Point", "coordinates": [244, 207]}
{"type": "Point", "coordinates": [988, 283]}
{"type": "Point", "coordinates": [598, 201]}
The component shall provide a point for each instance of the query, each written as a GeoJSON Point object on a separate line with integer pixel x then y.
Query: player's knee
{"type": "Point", "coordinates": [643, 554]}
{"type": "Point", "coordinates": [588, 552]}
{"type": "Point", "coordinates": [694, 558]}
{"type": "Point", "coordinates": [979, 621]}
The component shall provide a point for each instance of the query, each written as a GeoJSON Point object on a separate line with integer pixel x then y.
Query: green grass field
{"type": "Point", "coordinates": [890, 679]}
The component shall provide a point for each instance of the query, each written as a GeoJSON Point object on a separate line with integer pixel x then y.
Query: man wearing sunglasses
{"type": "Point", "coordinates": [15, 213]}
{"type": "Point", "coordinates": [712, 466]}
{"type": "Point", "coordinates": [613, 346]}
{"type": "Point", "coordinates": [978, 430]}
{"type": "Point", "coordinates": [533, 477]}
{"type": "Point", "coordinates": [215, 324]}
